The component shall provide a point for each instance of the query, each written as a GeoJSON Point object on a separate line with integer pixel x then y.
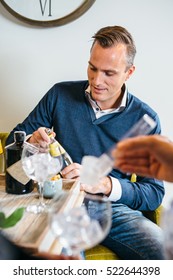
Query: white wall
{"type": "Point", "coordinates": [32, 59]}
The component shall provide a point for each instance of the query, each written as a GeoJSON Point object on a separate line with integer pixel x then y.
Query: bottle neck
{"type": "Point", "coordinates": [52, 140]}
{"type": "Point", "coordinates": [19, 144]}
{"type": "Point", "coordinates": [19, 138]}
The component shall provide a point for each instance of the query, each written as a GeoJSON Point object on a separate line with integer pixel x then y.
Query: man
{"type": "Point", "coordinates": [88, 117]}
{"type": "Point", "coordinates": [150, 156]}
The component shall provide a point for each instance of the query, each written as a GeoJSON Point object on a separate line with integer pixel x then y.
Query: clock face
{"type": "Point", "coordinates": [47, 12]}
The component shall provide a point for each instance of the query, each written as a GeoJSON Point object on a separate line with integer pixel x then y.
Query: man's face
{"type": "Point", "coordinates": [107, 72]}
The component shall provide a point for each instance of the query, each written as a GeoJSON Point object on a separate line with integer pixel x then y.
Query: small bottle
{"type": "Point", "coordinates": [18, 184]}
{"type": "Point", "coordinates": [1, 159]}
{"type": "Point", "coordinates": [54, 143]}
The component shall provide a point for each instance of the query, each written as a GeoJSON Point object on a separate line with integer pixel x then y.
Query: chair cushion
{"type": "Point", "coordinates": [100, 252]}
{"type": "Point", "coordinates": [155, 215]}
{"type": "Point", "coordinates": [3, 137]}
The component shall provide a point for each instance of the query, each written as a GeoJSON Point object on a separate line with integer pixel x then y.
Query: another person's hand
{"type": "Point", "coordinates": [150, 156]}
{"type": "Point", "coordinates": [104, 187]}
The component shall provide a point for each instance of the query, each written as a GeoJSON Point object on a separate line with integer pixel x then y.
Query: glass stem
{"type": "Point", "coordinates": [41, 201]}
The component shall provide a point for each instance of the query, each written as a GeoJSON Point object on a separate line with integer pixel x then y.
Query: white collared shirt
{"type": "Point", "coordinates": [116, 186]}
{"type": "Point", "coordinates": [97, 110]}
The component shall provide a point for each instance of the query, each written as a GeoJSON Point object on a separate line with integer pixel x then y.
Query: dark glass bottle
{"type": "Point", "coordinates": [13, 155]}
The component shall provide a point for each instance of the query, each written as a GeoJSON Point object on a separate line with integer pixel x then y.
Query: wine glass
{"type": "Point", "coordinates": [79, 221]}
{"type": "Point", "coordinates": [40, 166]}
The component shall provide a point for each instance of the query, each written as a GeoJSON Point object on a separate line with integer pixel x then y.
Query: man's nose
{"type": "Point", "coordinates": [98, 78]}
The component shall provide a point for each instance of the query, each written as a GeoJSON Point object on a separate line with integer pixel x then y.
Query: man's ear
{"type": "Point", "coordinates": [130, 71]}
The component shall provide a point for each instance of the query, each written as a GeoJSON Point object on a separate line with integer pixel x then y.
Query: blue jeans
{"type": "Point", "coordinates": [133, 236]}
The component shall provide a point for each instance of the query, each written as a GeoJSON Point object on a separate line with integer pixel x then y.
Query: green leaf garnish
{"type": "Point", "coordinates": [10, 221]}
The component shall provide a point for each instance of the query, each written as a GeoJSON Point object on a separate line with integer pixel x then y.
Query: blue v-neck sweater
{"type": "Point", "coordinates": [66, 109]}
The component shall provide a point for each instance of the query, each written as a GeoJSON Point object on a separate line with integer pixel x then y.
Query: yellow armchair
{"type": "Point", "coordinates": [3, 138]}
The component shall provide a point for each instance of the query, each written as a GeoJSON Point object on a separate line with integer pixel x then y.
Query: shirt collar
{"type": "Point", "coordinates": [100, 112]}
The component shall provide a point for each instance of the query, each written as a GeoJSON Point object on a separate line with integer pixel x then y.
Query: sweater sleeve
{"type": "Point", "coordinates": [145, 194]}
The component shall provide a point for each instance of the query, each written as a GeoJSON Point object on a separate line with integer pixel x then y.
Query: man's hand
{"type": "Point", "coordinates": [104, 187]}
{"type": "Point", "coordinates": [72, 171]}
{"type": "Point", "coordinates": [40, 136]}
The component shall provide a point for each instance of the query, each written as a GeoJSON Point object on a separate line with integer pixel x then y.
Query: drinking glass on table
{"type": "Point", "coordinates": [82, 225]}
{"type": "Point", "coordinates": [40, 166]}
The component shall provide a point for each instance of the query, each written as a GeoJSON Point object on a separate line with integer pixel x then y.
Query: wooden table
{"type": "Point", "coordinates": [32, 231]}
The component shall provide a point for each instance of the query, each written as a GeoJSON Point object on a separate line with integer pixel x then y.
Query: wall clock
{"type": "Point", "coordinates": [47, 12]}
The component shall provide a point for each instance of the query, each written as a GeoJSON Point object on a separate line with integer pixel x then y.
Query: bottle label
{"type": "Point", "coordinates": [17, 172]}
{"type": "Point", "coordinates": [54, 151]}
